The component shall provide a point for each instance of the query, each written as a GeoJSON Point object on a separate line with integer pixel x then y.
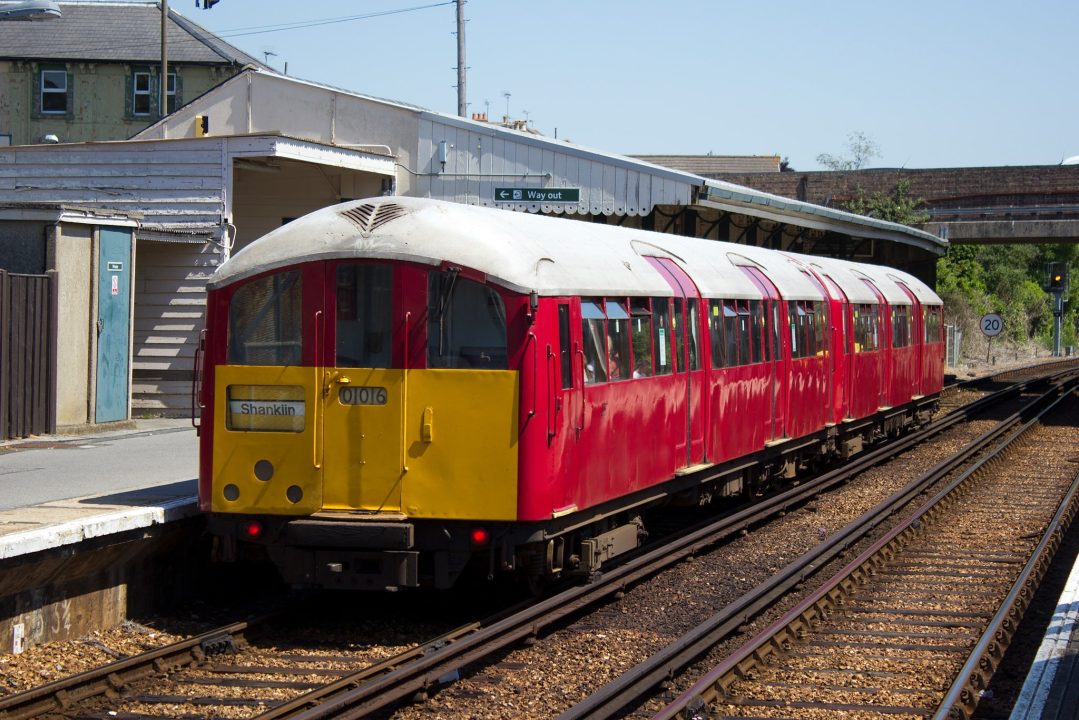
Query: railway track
{"type": "Point", "coordinates": [422, 668]}
{"type": "Point", "coordinates": [917, 623]}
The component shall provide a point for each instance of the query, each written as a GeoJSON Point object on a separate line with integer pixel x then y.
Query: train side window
{"type": "Point", "coordinates": [756, 331]}
{"type": "Point", "coordinates": [678, 320]}
{"type": "Point", "coordinates": [565, 351]}
{"type": "Point", "coordinates": [932, 324]}
{"type": "Point", "coordinates": [744, 331]}
{"type": "Point", "coordinates": [796, 318]}
{"type": "Point", "coordinates": [715, 333]}
{"type": "Point", "coordinates": [594, 341]}
{"type": "Point", "coordinates": [641, 332]}
{"type": "Point", "coordinates": [809, 318]}
{"type": "Point", "coordinates": [730, 332]}
{"type": "Point", "coordinates": [265, 322]}
{"type": "Point", "coordinates": [364, 316]}
{"type": "Point", "coordinates": [618, 342]}
{"type": "Point", "coordinates": [776, 350]}
{"type": "Point", "coordinates": [466, 324]}
{"type": "Point", "coordinates": [865, 328]}
{"type": "Point", "coordinates": [693, 325]}
{"type": "Point", "coordinates": [901, 326]}
{"type": "Point", "coordinates": [661, 328]}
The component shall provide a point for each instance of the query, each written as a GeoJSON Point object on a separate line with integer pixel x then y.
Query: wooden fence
{"type": "Point", "coordinates": [28, 317]}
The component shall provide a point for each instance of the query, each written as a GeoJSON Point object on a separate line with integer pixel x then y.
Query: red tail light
{"type": "Point", "coordinates": [253, 529]}
{"type": "Point", "coordinates": [479, 536]}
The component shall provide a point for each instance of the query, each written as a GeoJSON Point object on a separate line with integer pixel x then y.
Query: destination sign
{"type": "Point", "coordinates": [538, 195]}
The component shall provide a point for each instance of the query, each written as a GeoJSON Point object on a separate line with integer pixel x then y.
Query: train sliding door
{"type": "Point", "coordinates": [779, 362]}
{"type": "Point", "coordinates": [687, 351]}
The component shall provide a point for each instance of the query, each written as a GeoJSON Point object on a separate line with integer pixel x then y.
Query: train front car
{"type": "Point", "coordinates": [359, 418]}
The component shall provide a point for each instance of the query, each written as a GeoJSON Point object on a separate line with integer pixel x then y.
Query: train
{"type": "Point", "coordinates": [399, 392]}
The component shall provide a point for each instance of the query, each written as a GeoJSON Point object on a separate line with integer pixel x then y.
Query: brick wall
{"type": "Point", "coordinates": [941, 188]}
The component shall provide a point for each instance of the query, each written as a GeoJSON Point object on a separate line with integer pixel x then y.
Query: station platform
{"type": "Point", "coordinates": [1051, 690]}
{"type": "Point", "coordinates": [60, 490]}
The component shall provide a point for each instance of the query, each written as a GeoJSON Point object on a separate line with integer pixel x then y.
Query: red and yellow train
{"type": "Point", "coordinates": [396, 390]}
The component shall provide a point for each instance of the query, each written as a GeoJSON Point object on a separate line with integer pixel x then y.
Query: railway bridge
{"type": "Point", "coordinates": [1011, 204]}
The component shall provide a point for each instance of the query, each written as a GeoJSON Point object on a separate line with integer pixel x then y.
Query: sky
{"type": "Point", "coordinates": [932, 83]}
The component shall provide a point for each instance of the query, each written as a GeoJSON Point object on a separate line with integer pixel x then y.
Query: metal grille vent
{"type": "Point", "coordinates": [369, 217]}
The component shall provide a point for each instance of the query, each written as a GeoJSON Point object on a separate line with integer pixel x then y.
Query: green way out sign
{"type": "Point", "coordinates": [538, 195]}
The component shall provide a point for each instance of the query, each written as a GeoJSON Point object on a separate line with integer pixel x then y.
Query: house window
{"type": "Point", "coordinates": [145, 91]}
{"type": "Point", "coordinates": [54, 92]}
{"type": "Point", "coordinates": [141, 94]}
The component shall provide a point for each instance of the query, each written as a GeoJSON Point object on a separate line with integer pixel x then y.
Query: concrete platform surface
{"type": "Point", "coordinates": [58, 490]}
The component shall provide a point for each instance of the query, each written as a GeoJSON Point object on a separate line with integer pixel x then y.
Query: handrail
{"type": "Point", "coordinates": [315, 459]}
{"type": "Point", "coordinates": [551, 399]}
{"type": "Point", "coordinates": [404, 400]}
{"type": "Point", "coordinates": [535, 369]}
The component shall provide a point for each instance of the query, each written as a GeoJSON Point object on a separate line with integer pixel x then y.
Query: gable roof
{"type": "Point", "coordinates": [116, 32]}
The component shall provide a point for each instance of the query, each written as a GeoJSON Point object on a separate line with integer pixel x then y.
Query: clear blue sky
{"type": "Point", "coordinates": [934, 83]}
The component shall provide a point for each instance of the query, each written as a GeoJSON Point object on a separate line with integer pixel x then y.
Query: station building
{"type": "Point", "coordinates": [261, 149]}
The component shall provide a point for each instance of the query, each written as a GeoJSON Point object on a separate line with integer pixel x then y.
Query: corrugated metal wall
{"type": "Point", "coordinates": [478, 161]}
{"type": "Point", "coordinates": [166, 183]}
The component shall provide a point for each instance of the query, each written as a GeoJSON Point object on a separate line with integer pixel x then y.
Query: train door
{"type": "Point", "coordinates": [843, 348]}
{"type": "Point", "coordinates": [687, 350]}
{"type": "Point", "coordinates": [361, 395]}
{"type": "Point", "coordinates": [917, 341]}
{"type": "Point", "coordinates": [884, 348]}
{"type": "Point", "coordinates": [779, 370]}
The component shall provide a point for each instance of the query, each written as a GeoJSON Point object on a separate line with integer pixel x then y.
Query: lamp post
{"type": "Point", "coordinates": [163, 101]}
{"type": "Point", "coordinates": [30, 10]}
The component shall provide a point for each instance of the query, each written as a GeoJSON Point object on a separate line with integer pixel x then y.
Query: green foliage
{"type": "Point", "coordinates": [1010, 280]}
{"type": "Point", "coordinates": [898, 207]}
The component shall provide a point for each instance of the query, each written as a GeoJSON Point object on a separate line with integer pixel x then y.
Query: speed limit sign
{"type": "Point", "coordinates": [991, 325]}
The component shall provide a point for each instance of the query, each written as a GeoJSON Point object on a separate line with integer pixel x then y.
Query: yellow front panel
{"type": "Point", "coordinates": [462, 445]}
{"type": "Point", "coordinates": [266, 425]}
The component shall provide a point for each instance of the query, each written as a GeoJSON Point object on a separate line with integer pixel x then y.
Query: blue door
{"type": "Point", "coordinates": [113, 324]}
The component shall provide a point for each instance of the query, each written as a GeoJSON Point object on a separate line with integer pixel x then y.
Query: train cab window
{"type": "Point", "coordinates": [640, 327]}
{"type": "Point", "coordinates": [661, 335]}
{"type": "Point", "coordinates": [618, 341]}
{"type": "Point", "coordinates": [594, 341]}
{"type": "Point", "coordinates": [565, 351]}
{"type": "Point", "coordinates": [364, 313]}
{"type": "Point", "coordinates": [466, 324]}
{"type": "Point", "coordinates": [265, 321]}
{"type": "Point", "coordinates": [901, 331]}
{"type": "Point", "coordinates": [866, 337]}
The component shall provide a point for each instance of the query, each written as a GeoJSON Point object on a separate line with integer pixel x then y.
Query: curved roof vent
{"type": "Point", "coordinates": [369, 216]}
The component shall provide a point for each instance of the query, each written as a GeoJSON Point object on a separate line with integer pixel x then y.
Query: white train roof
{"type": "Point", "coordinates": [525, 252]}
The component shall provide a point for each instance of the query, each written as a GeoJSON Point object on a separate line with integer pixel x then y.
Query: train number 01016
{"type": "Point", "coordinates": [362, 395]}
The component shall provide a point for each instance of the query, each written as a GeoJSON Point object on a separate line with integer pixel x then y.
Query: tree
{"type": "Point", "coordinates": [898, 207]}
{"type": "Point", "coordinates": [861, 150]}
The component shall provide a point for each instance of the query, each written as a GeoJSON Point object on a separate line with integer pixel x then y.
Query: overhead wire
{"type": "Point", "coordinates": [188, 39]}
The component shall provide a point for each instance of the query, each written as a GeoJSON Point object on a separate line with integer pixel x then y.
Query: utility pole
{"type": "Point", "coordinates": [163, 100]}
{"type": "Point", "coordinates": [462, 102]}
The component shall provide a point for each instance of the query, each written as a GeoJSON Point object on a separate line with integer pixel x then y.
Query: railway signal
{"type": "Point", "coordinates": [1057, 285]}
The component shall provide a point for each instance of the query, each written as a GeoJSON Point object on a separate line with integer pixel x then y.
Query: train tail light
{"type": "Point", "coordinates": [252, 529]}
{"type": "Point", "coordinates": [479, 537]}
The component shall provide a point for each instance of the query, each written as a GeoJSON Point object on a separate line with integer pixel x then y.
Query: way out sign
{"type": "Point", "coordinates": [991, 325]}
{"type": "Point", "coordinates": [537, 195]}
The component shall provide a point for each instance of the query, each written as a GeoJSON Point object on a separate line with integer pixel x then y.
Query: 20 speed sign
{"type": "Point", "coordinates": [991, 324]}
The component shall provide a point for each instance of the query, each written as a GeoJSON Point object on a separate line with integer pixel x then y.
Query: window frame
{"type": "Point", "coordinates": [44, 92]}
